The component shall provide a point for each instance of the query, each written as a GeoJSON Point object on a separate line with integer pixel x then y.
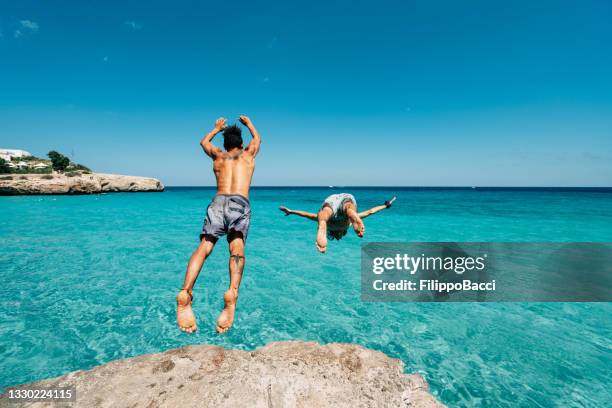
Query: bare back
{"type": "Point", "coordinates": [234, 171]}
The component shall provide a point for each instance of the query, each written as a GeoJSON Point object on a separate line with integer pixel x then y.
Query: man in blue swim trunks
{"type": "Point", "coordinates": [229, 214]}
{"type": "Point", "coordinates": [338, 212]}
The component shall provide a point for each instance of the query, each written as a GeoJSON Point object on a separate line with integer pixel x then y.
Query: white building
{"type": "Point", "coordinates": [8, 154]}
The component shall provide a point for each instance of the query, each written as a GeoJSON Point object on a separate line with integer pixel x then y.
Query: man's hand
{"type": "Point", "coordinates": [210, 149]}
{"type": "Point", "coordinates": [220, 124]}
{"type": "Point", "coordinates": [245, 120]}
{"type": "Point", "coordinates": [253, 147]}
{"type": "Point", "coordinates": [388, 203]}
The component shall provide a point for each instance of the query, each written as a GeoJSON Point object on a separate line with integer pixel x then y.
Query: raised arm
{"type": "Point", "coordinates": [253, 147]}
{"type": "Point", "coordinates": [206, 142]}
{"type": "Point", "coordinates": [305, 214]}
{"type": "Point", "coordinates": [376, 209]}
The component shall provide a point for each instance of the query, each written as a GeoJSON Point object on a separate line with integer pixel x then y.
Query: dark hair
{"type": "Point", "coordinates": [232, 137]}
{"type": "Point", "coordinates": [336, 234]}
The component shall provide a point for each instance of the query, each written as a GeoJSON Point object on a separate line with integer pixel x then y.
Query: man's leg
{"type": "Point", "coordinates": [184, 313]}
{"type": "Point", "coordinates": [324, 215]}
{"type": "Point", "coordinates": [236, 267]}
{"type": "Point", "coordinates": [351, 212]}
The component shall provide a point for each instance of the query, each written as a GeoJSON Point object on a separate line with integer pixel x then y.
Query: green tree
{"type": "Point", "coordinates": [4, 168]}
{"type": "Point", "coordinates": [77, 166]}
{"type": "Point", "coordinates": [59, 162]}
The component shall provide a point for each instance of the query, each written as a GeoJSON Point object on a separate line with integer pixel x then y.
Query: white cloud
{"type": "Point", "coordinates": [26, 26]}
{"type": "Point", "coordinates": [133, 24]}
{"type": "Point", "coordinates": [32, 25]}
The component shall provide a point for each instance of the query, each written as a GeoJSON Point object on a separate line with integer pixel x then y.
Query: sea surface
{"type": "Point", "coordinates": [90, 279]}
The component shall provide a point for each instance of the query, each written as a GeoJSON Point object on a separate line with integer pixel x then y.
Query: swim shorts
{"type": "Point", "coordinates": [225, 214]}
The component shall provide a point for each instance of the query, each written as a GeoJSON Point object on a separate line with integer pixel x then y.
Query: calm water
{"type": "Point", "coordinates": [90, 279]}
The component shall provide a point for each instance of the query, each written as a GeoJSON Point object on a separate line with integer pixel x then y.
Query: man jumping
{"type": "Point", "coordinates": [338, 212]}
{"type": "Point", "coordinates": [228, 213]}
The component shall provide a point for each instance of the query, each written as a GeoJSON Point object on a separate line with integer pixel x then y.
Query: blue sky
{"type": "Point", "coordinates": [345, 93]}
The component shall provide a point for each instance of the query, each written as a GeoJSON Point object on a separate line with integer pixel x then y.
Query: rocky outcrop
{"type": "Point", "coordinates": [279, 375]}
{"type": "Point", "coordinates": [94, 183]}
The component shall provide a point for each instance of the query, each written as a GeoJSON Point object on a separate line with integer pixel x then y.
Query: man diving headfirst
{"type": "Point", "coordinates": [338, 212]}
{"type": "Point", "coordinates": [228, 213]}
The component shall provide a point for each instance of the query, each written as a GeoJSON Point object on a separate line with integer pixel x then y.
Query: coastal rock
{"type": "Point", "coordinates": [278, 375]}
{"type": "Point", "coordinates": [94, 183]}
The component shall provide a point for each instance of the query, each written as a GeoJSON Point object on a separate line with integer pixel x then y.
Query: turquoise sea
{"type": "Point", "coordinates": [90, 279]}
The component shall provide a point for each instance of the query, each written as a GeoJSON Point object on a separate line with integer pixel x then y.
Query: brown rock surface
{"type": "Point", "coordinates": [94, 183]}
{"type": "Point", "coordinates": [278, 375]}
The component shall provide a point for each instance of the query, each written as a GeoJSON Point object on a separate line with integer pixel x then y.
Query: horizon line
{"type": "Point", "coordinates": [391, 186]}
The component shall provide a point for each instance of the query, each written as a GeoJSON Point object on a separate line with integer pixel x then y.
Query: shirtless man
{"type": "Point", "coordinates": [228, 213]}
{"type": "Point", "coordinates": [338, 212]}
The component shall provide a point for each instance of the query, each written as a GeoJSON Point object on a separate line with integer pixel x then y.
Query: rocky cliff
{"type": "Point", "coordinates": [94, 183]}
{"type": "Point", "coordinates": [279, 375]}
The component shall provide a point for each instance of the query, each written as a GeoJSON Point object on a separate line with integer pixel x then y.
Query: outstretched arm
{"type": "Point", "coordinates": [206, 142]}
{"type": "Point", "coordinates": [376, 209]}
{"type": "Point", "coordinates": [253, 147]}
{"type": "Point", "coordinates": [304, 214]}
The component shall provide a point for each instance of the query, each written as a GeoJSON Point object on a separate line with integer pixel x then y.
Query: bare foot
{"type": "Point", "coordinates": [321, 242]}
{"type": "Point", "coordinates": [184, 314]}
{"type": "Point", "coordinates": [359, 227]}
{"type": "Point", "coordinates": [285, 210]}
{"type": "Point", "coordinates": [226, 318]}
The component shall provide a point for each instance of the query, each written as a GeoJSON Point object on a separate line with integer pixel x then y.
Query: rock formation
{"type": "Point", "coordinates": [94, 183]}
{"type": "Point", "coordinates": [278, 375]}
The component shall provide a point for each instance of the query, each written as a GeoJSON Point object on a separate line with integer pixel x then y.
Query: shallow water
{"type": "Point", "coordinates": [90, 279]}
